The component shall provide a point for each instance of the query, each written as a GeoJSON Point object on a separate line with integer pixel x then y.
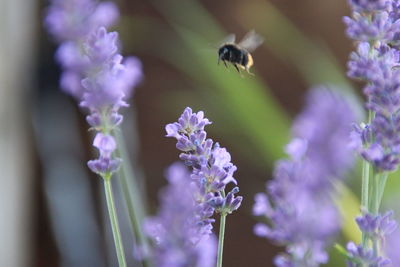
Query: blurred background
{"type": "Point", "coordinates": [52, 207]}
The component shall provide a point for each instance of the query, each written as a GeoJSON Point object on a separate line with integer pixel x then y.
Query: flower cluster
{"type": "Point", "coordinates": [299, 208]}
{"type": "Point", "coordinates": [211, 166]}
{"type": "Point", "coordinates": [375, 25]}
{"type": "Point", "coordinates": [377, 225]}
{"type": "Point", "coordinates": [70, 23]}
{"type": "Point", "coordinates": [358, 257]}
{"type": "Point", "coordinates": [174, 229]}
{"type": "Point", "coordinates": [93, 70]}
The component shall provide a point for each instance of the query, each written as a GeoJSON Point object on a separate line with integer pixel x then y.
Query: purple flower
{"type": "Point", "coordinates": [93, 70]}
{"type": "Point", "coordinates": [105, 164]}
{"type": "Point", "coordinates": [187, 124]}
{"type": "Point", "coordinates": [372, 64]}
{"type": "Point", "coordinates": [377, 26]}
{"type": "Point", "coordinates": [108, 82]}
{"type": "Point", "coordinates": [302, 215]}
{"type": "Point", "coordinates": [106, 86]}
{"type": "Point", "coordinates": [360, 257]}
{"type": "Point", "coordinates": [377, 225]}
{"type": "Point", "coordinates": [312, 126]}
{"type": "Point", "coordinates": [175, 230]}
{"type": "Point", "coordinates": [380, 27]}
{"type": "Point", "coordinates": [70, 22]}
{"type": "Point", "coordinates": [75, 19]}
{"type": "Point", "coordinates": [212, 169]}
{"type": "Point", "coordinates": [373, 20]}
{"type": "Point", "coordinates": [73, 22]}
{"type": "Point", "coordinates": [369, 5]}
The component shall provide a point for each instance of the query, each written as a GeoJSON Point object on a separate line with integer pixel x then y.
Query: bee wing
{"type": "Point", "coordinates": [229, 39]}
{"type": "Point", "coordinates": [251, 41]}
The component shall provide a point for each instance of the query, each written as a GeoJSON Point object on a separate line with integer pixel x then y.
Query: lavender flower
{"type": "Point", "coordinates": [104, 90]}
{"type": "Point", "coordinates": [174, 230]}
{"type": "Point", "coordinates": [70, 22]}
{"type": "Point", "coordinates": [312, 126]}
{"type": "Point", "coordinates": [105, 164]}
{"type": "Point", "coordinates": [211, 166]}
{"type": "Point", "coordinates": [380, 27]}
{"type": "Point", "coordinates": [110, 79]}
{"type": "Point", "coordinates": [96, 75]}
{"type": "Point", "coordinates": [376, 25]}
{"type": "Point", "coordinates": [75, 19]}
{"type": "Point", "coordinates": [377, 225]}
{"type": "Point", "coordinates": [369, 5]}
{"type": "Point", "coordinates": [360, 257]}
{"type": "Point", "coordinates": [302, 215]}
{"type": "Point", "coordinates": [94, 71]}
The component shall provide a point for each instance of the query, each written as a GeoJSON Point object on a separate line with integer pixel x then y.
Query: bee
{"type": "Point", "coordinates": [239, 54]}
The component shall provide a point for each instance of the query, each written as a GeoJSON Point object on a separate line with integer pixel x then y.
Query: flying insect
{"type": "Point", "coordinates": [238, 54]}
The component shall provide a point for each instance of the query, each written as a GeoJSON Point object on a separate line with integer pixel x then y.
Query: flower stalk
{"type": "Point", "coordinates": [114, 221]}
{"type": "Point", "coordinates": [221, 239]}
{"type": "Point", "coordinates": [365, 195]}
{"type": "Point", "coordinates": [221, 236]}
{"type": "Point", "coordinates": [134, 201]}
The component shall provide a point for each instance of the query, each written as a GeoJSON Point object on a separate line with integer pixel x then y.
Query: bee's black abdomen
{"type": "Point", "coordinates": [245, 59]}
{"type": "Point", "coordinates": [233, 54]}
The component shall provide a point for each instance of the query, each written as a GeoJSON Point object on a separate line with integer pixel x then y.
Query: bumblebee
{"type": "Point", "coordinates": [239, 54]}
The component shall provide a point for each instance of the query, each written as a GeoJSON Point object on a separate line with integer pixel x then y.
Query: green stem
{"type": "Point", "coordinates": [377, 194]}
{"type": "Point", "coordinates": [375, 248]}
{"type": "Point", "coordinates": [114, 221]}
{"type": "Point", "coordinates": [133, 197]}
{"type": "Point", "coordinates": [364, 195]}
{"type": "Point", "coordinates": [365, 187]}
{"type": "Point", "coordinates": [378, 190]}
{"type": "Point", "coordinates": [221, 235]}
{"type": "Point", "coordinates": [221, 239]}
{"type": "Point", "coordinates": [382, 185]}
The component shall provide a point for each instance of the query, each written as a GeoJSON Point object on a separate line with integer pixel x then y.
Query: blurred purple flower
{"type": "Point", "coordinates": [360, 257]}
{"type": "Point", "coordinates": [175, 230]}
{"type": "Point", "coordinates": [302, 215]}
{"type": "Point", "coordinates": [369, 5]}
{"type": "Point", "coordinates": [211, 164]}
{"type": "Point", "coordinates": [72, 22]}
{"type": "Point", "coordinates": [392, 247]}
{"type": "Point", "coordinates": [333, 157]}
